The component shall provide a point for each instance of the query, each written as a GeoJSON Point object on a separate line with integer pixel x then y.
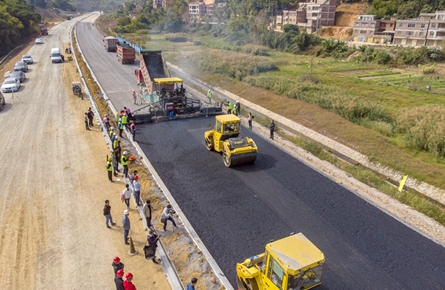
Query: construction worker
{"type": "Point", "coordinates": [229, 107]}
{"type": "Point", "coordinates": [116, 117]}
{"type": "Point", "coordinates": [238, 107]}
{"type": "Point", "coordinates": [125, 120]}
{"type": "Point", "coordinates": [110, 169]}
{"type": "Point", "coordinates": [134, 97]}
{"type": "Point", "coordinates": [235, 111]}
{"type": "Point", "coordinates": [133, 129]}
{"type": "Point", "coordinates": [114, 162]}
{"type": "Point", "coordinates": [118, 280]}
{"type": "Point", "coordinates": [128, 285]}
{"type": "Point", "coordinates": [111, 132]}
{"type": "Point", "coordinates": [120, 127]}
{"type": "Point", "coordinates": [115, 143]}
{"type": "Point", "coordinates": [124, 162]}
{"type": "Point", "coordinates": [117, 265]}
{"type": "Point", "coordinates": [209, 95]}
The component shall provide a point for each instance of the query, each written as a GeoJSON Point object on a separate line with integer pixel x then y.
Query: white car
{"type": "Point", "coordinates": [39, 41]}
{"type": "Point", "coordinates": [27, 59]}
{"type": "Point", "coordinates": [10, 85]}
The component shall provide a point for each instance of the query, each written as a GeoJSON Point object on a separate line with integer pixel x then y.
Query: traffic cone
{"type": "Point", "coordinates": [132, 251]}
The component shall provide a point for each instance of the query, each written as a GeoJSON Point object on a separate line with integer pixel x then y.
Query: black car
{"type": "Point", "coordinates": [18, 74]}
{"type": "Point", "coordinates": [21, 66]}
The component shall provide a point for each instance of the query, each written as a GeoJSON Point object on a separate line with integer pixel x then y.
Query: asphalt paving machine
{"type": "Point", "coordinates": [225, 138]}
{"type": "Point", "coordinates": [290, 263]}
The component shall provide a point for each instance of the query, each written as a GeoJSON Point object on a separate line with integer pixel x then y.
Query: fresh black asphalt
{"type": "Point", "coordinates": [236, 211]}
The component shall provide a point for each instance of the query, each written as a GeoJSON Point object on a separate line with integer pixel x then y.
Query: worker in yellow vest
{"type": "Point", "coordinates": [229, 108]}
{"type": "Point", "coordinates": [110, 169]}
{"type": "Point", "coordinates": [124, 162]}
{"type": "Point", "coordinates": [125, 120]}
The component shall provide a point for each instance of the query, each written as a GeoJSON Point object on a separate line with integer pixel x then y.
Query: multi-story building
{"type": "Point", "coordinates": [436, 29]}
{"type": "Point", "coordinates": [200, 10]}
{"type": "Point", "coordinates": [412, 32]}
{"type": "Point", "coordinates": [310, 15]}
{"type": "Point", "coordinates": [369, 29]}
{"type": "Point", "coordinates": [197, 10]}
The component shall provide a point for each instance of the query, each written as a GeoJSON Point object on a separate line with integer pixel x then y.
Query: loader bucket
{"type": "Point", "coordinates": [239, 159]}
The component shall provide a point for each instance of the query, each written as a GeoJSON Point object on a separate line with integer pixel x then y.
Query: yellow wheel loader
{"type": "Point", "coordinates": [291, 263]}
{"type": "Point", "coordinates": [224, 138]}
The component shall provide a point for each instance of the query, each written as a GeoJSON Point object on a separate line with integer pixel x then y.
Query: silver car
{"type": "Point", "coordinates": [39, 41]}
{"type": "Point", "coordinates": [27, 59]}
{"type": "Point", "coordinates": [18, 74]}
{"type": "Point", "coordinates": [10, 85]}
{"type": "Point", "coordinates": [21, 65]}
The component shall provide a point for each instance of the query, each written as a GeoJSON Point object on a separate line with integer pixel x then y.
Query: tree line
{"type": "Point", "coordinates": [17, 22]}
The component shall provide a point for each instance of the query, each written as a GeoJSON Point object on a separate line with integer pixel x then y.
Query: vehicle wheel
{"type": "Point", "coordinates": [227, 160]}
{"type": "Point", "coordinates": [209, 143]}
{"type": "Point", "coordinates": [1, 104]}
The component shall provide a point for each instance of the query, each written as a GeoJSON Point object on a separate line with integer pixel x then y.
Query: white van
{"type": "Point", "coordinates": [56, 56]}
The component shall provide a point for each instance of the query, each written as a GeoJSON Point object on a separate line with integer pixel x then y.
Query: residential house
{"type": "Point", "coordinates": [309, 15]}
{"type": "Point", "coordinates": [436, 30]}
{"type": "Point", "coordinates": [412, 32]}
{"type": "Point", "coordinates": [200, 10]}
{"type": "Point", "coordinates": [371, 30]}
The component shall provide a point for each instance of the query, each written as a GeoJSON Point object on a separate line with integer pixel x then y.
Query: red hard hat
{"type": "Point", "coordinates": [136, 177]}
{"type": "Point", "coordinates": [129, 275]}
{"type": "Point", "coordinates": [116, 260]}
{"type": "Point", "coordinates": [120, 273]}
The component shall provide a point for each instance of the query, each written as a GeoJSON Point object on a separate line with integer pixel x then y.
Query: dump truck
{"type": "Point", "coordinates": [44, 31]}
{"type": "Point", "coordinates": [152, 65]}
{"type": "Point", "coordinates": [125, 53]}
{"type": "Point", "coordinates": [224, 137]}
{"type": "Point", "coordinates": [110, 43]}
{"type": "Point", "coordinates": [290, 263]}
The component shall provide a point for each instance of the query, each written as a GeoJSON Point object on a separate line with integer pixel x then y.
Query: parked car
{"type": "Point", "coordinates": [39, 41]}
{"type": "Point", "coordinates": [27, 59]}
{"type": "Point", "coordinates": [10, 85]}
{"type": "Point", "coordinates": [21, 65]}
{"type": "Point", "coordinates": [18, 74]}
{"type": "Point", "coordinates": [2, 101]}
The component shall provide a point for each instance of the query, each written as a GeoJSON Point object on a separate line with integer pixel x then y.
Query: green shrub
{"type": "Point", "coordinates": [176, 37]}
{"type": "Point", "coordinates": [230, 63]}
{"type": "Point", "coordinates": [424, 128]}
{"type": "Point", "coordinates": [428, 69]}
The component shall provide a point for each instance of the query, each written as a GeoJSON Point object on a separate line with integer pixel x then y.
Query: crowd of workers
{"type": "Point", "coordinates": [124, 118]}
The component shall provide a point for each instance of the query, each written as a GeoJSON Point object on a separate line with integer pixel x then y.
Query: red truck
{"type": "Point", "coordinates": [125, 53]}
{"type": "Point", "coordinates": [110, 43]}
{"type": "Point", "coordinates": [44, 31]}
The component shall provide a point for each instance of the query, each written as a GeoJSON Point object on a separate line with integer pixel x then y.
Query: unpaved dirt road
{"type": "Point", "coordinates": [53, 186]}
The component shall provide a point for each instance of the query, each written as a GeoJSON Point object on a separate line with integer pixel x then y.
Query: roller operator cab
{"type": "Point", "coordinates": [224, 137]}
{"type": "Point", "coordinates": [291, 263]}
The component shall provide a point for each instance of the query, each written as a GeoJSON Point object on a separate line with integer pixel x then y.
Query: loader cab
{"type": "Point", "coordinates": [291, 264]}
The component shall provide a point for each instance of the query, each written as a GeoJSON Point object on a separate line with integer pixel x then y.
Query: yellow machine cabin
{"type": "Point", "coordinates": [291, 263]}
{"type": "Point", "coordinates": [225, 138]}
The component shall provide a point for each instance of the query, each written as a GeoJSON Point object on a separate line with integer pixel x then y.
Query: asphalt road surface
{"type": "Point", "coordinates": [237, 211]}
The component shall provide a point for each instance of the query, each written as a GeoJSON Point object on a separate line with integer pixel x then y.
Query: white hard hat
{"type": "Point", "coordinates": [126, 211]}
{"type": "Point", "coordinates": [112, 128]}
{"type": "Point", "coordinates": [125, 152]}
{"type": "Point", "coordinates": [209, 90]}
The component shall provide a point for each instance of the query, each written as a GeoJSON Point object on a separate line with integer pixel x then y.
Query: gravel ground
{"type": "Point", "coordinates": [54, 184]}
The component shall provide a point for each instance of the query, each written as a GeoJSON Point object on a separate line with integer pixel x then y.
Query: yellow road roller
{"type": "Point", "coordinates": [290, 263]}
{"type": "Point", "coordinates": [224, 137]}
